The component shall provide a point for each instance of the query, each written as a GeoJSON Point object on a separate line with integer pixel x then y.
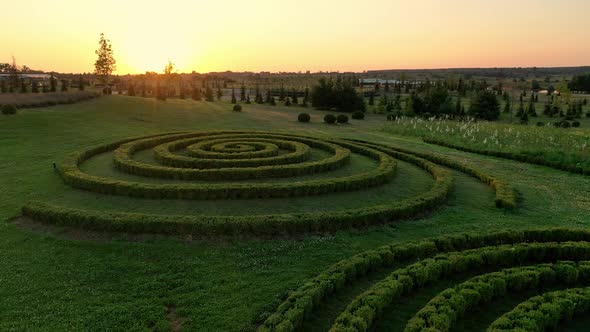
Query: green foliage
{"type": "Point", "coordinates": [237, 108]}
{"type": "Point", "coordinates": [358, 115]}
{"type": "Point", "coordinates": [303, 117]}
{"type": "Point", "coordinates": [342, 118]}
{"type": "Point", "coordinates": [8, 109]}
{"type": "Point", "coordinates": [485, 106]}
{"type": "Point", "coordinates": [437, 257]}
{"type": "Point", "coordinates": [330, 118]}
{"type": "Point", "coordinates": [339, 95]}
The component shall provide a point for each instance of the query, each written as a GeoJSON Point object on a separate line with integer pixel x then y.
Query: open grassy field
{"type": "Point", "coordinates": [61, 278]}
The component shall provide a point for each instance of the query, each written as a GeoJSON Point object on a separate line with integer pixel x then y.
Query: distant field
{"type": "Point", "coordinates": [64, 278]}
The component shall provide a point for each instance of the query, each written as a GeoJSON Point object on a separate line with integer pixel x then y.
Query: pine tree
{"type": "Point", "coordinates": [34, 87]}
{"type": "Point", "coordinates": [53, 84]}
{"type": "Point", "coordinates": [248, 99]}
{"type": "Point", "coordinates": [282, 93]}
{"type": "Point", "coordinates": [458, 106]}
{"type": "Point", "coordinates": [287, 101]}
{"type": "Point", "coordinates": [521, 110]}
{"type": "Point", "coordinates": [64, 86]}
{"type": "Point", "coordinates": [196, 93]}
{"type": "Point", "coordinates": [80, 83]}
{"type": "Point", "coordinates": [524, 118]}
{"type": "Point", "coordinates": [243, 93]}
{"type": "Point", "coordinates": [268, 96]}
{"type": "Point", "coordinates": [233, 97]}
{"type": "Point", "coordinates": [131, 90]}
{"type": "Point", "coordinates": [23, 87]}
{"type": "Point", "coordinates": [209, 94]}
{"type": "Point", "coordinates": [294, 97]}
{"type": "Point", "coordinates": [3, 88]}
{"type": "Point", "coordinates": [372, 98]}
{"type": "Point", "coordinates": [219, 93]}
{"type": "Point", "coordinates": [507, 106]}
{"type": "Point", "coordinates": [272, 101]}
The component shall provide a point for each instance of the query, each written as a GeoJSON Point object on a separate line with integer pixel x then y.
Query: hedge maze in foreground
{"type": "Point", "coordinates": [253, 166]}
{"type": "Point", "coordinates": [547, 270]}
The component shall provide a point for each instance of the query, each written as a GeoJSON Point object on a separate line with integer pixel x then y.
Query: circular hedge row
{"type": "Point", "coordinates": [484, 267]}
{"type": "Point", "coordinates": [217, 165]}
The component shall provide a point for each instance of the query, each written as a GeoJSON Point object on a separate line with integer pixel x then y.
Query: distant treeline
{"type": "Point", "coordinates": [486, 72]}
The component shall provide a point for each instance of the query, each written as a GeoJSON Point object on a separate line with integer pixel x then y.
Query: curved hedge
{"type": "Point", "coordinates": [451, 304]}
{"type": "Point", "coordinates": [289, 315]}
{"type": "Point", "coordinates": [544, 311]}
{"type": "Point", "coordinates": [505, 193]}
{"type": "Point", "coordinates": [73, 176]}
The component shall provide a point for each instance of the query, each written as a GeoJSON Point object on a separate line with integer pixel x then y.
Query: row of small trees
{"type": "Point", "coordinates": [37, 87]}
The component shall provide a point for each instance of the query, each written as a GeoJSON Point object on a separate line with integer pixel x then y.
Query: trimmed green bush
{"type": "Point", "coordinates": [342, 118]}
{"type": "Point", "coordinates": [296, 306]}
{"type": "Point", "coordinates": [303, 117]}
{"type": "Point", "coordinates": [451, 304]}
{"type": "Point", "coordinates": [9, 109]}
{"type": "Point", "coordinates": [576, 124]}
{"type": "Point", "coordinates": [237, 108]}
{"type": "Point", "coordinates": [330, 119]}
{"type": "Point", "coordinates": [358, 115]}
{"type": "Point", "coordinates": [544, 312]}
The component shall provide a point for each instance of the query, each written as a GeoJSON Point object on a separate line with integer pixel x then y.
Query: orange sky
{"type": "Point", "coordinates": [296, 35]}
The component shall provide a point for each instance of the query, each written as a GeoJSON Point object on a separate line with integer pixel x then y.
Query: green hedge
{"type": "Point", "coordinates": [445, 309]}
{"type": "Point", "coordinates": [505, 194]}
{"type": "Point", "coordinates": [365, 308]}
{"type": "Point", "coordinates": [240, 151]}
{"type": "Point", "coordinates": [255, 224]}
{"type": "Point", "coordinates": [73, 176]}
{"type": "Point", "coordinates": [289, 315]}
{"type": "Point", "coordinates": [531, 159]}
{"type": "Point", "coordinates": [299, 153]}
{"type": "Point", "coordinates": [544, 312]}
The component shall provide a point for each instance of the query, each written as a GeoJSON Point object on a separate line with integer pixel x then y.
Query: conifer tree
{"type": "Point", "coordinates": [282, 93]}
{"type": "Point", "coordinates": [233, 97]}
{"type": "Point", "coordinates": [219, 92]}
{"type": "Point", "coordinates": [243, 92]}
{"type": "Point", "coordinates": [294, 97]}
{"type": "Point", "coordinates": [80, 83]}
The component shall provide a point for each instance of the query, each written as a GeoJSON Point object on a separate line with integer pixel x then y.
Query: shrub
{"type": "Point", "coordinates": [9, 109]}
{"type": "Point", "coordinates": [237, 108]}
{"type": "Point", "coordinates": [576, 124]}
{"type": "Point", "coordinates": [303, 117]}
{"type": "Point", "coordinates": [358, 115]}
{"type": "Point", "coordinates": [540, 124]}
{"type": "Point", "coordinates": [329, 118]}
{"type": "Point", "coordinates": [565, 124]}
{"type": "Point", "coordinates": [342, 118]}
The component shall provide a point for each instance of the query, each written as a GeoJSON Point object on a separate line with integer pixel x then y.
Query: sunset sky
{"type": "Point", "coordinates": [298, 35]}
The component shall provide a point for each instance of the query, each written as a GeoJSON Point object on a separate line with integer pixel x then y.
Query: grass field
{"type": "Point", "coordinates": [66, 279]}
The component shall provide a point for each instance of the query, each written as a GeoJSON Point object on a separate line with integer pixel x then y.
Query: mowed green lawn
{"type": "Point", "coordinates": [60, 280]}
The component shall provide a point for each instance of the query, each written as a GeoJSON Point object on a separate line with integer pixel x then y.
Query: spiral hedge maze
{"type": "Point", "coordinates": [255, 167]}
{"type": "Point", "coordinates": [477, 271]}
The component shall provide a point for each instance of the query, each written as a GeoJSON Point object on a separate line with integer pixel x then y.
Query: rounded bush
{"type": "Point", "coordinates": [540, 124]}
{"type": "Point", "coordinates": [330, 118]}
{"type": "Point", "coordinates": [565, 124]}
{"type": "Point", "coordinates": [9, 109]}
{"type": "Point", "coordinates": [237, 108]}
{"type": "Point", "coordinates": [358, 115]}
{"type": "Point", "coordinates": [342, 118]}
{"type": "Point", "coordinates": [303, 117]}
{"type": "Point", "coordinates": [576, 124]}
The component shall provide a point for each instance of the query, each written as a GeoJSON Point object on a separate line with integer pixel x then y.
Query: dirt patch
{"type": "Point", "coordinates": [175, 321]}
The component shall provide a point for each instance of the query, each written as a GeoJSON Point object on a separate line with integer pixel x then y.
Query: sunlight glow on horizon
{"type": "Point", "coordinates": [265, 35]}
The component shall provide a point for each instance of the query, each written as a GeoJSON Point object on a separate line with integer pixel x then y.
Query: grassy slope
{"type": "Point", "coordinates": [51, 283]}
